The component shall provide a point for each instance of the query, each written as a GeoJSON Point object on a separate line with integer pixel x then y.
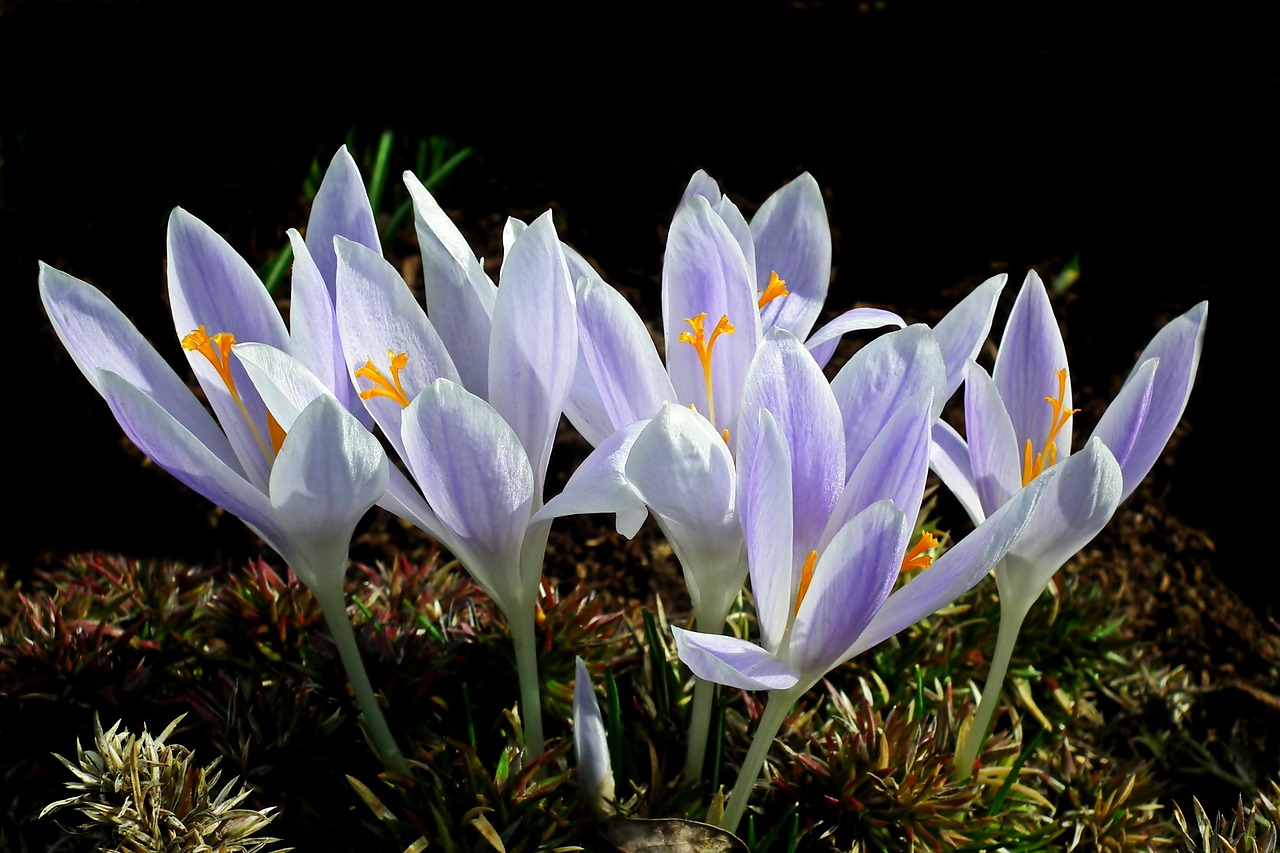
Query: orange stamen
{"type": "Point", "coordinates": [775, 289]}
{"type": "Point", "coordinates": [382, 386]}
{"type": "Point", "coordinates": [806, 578]}
{"type": "Point", "coordinates": [1033, 464]}
{"type": "Point", "coordinates": [703, 347]}
{"type": "Point", "coordinates": [916, 558]}
{"type": "Point", "coordinates": [217, 350]}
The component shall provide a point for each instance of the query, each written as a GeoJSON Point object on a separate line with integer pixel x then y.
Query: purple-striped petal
{"type": "Point", "coordinates": [1121, 425]}
{"type": "Point", "coordinates": [341, 209]}
{"type": "Point", "coordinates": [701, 184]}
{"type": "Point", "coordinates": [735, 663]}
{"type": "Point", "coordinates": [949, 459]}
{"type": "Point", "coordinates": [964, 329]}
{"type": "Point", "coordinates": [995, 454]}
{"type": "Point", "coordinates": [600, 484]}
{"type": "Point", "coordinates": [764, 502]}
{"type": "Point", "coordinates": [822, 343]}
{"type": "Point", "coordinates": [793, 238]}
{"type": "Point", "coordinates": [590, 747]}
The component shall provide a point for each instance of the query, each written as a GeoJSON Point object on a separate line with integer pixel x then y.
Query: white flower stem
{"type": "Point", "coordinates": [334, 607]}
{"type": "Point", "coordinates": [525, 639]}
{"type": "Point", "coordinates": [704, 694]}
{"type": "Point", "coordinates": [776, 709]}
{"type": "Point", "coordinates": [972, 738]}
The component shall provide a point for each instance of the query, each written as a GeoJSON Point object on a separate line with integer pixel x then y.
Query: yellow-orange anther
{"type": "Point", "coordinates": [217, 350]}
{"type": "Point", "coordinates": [382, 386]}
{"type": "Point", "coordinates": [1034, 463]}
{"type": "Point", "coordinates": [774, 289]}
{"type": "Point", "coordinates": [703, 346]}
{"type": "Point", "coordinates": [276, 433]}
{"type": "Point", "coordinates": [806, 577]}
{"type": "Point", "coordinates": [916, 558]}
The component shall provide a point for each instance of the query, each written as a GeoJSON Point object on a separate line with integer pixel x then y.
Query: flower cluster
{"type": "Point", "coordinates": [749, 459]}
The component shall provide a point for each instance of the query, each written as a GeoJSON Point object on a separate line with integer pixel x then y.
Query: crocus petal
{"type": "Point", "coordinates": [956, 571]}
{"type": "Point", "coordinates": [169, 444]}
{"type": "Point", "coordinates": [476, 476]}
{"type": "Point", "coordinates": [328, 473]}
{"type": "Point", "coordinates": [964, 329]}
{"type": "Point", "coordinates": [600, 484]}
{"type": "Point", "coordinates": [460, 297]}
{"type": "Point", "coordinates": [1178, 346]}
{"type": "Point", "coordinates": [995, 456]}
{"type": "Point", "coordinates": [764, 494]}
{"type": "Point", "coordinates": [851, 580]}
{"type": "Point", "coordinates": [99, 337]}
{"type": "Point", "coordinates": [534, 347]}
{"type": "Point", "coordinates": [735, 663]}
{"type": "Point", "coordinates": [738, 227]}
{"type": "Point", "coordinates": [590, 746]}
{"type": "Point", "coordinates": [1030, 356]}
{"type": "Point", "coordinates": [822, 343]}
{"type": "Point", "coordinates": [378, 315]}
{"type": "Point", "coordinates": [793, 238]}
{"type": "Point", "coordinates": [1077, 504]}
{"type": "Point", "coordinates": [785, 380]}
{"type": "Point", "coordinates": [949, 459]}
{"type": "Point", "coordinates": [617, 359]}
{"type": "Point", "coordinates": [341, 209]}
{"type": "Point", "coordinates": [879, 377]}
{"type": "Point", "coordinates": [1121, 425]}
{"type": "Point", "coordinates": [283, 381]}
{"type": "Point", "coordinates": [701, 184]}
{"type": "Point", "coordinates": [704, 271]}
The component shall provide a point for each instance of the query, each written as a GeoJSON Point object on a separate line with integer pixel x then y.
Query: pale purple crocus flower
{"type": "Point", "coordinates": [590, 746]}
{"type": "Point", "coordinates": [301, 484]}
{"type": "Point", "coordinates": [828, 522]}
{"type": "Point", "coordinates": [476, 442]}
{"type": "Point", "coordinates": [1018, 424]}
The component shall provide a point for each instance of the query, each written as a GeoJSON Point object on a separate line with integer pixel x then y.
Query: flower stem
{"type": "Point", "coordinates": [775, 712]}
{"type": "Point", "coordinates": [525, 639]}
{"type": "Point", "coordinates": [334, 607]}
{"type": "Point", "coordinates": [975, 735]}
{"type": "Point", "coordinates": [704, 694]}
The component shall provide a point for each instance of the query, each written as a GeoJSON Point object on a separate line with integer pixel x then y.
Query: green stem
{"type": "Point", "coordinates": [334, 607]}
{"type": "Point", "coordinates": [704, 694]}
{"type": "Point", "coordinates": [525, 639]}
{"type": "Point", "coordinates": [972, 739]}
{"type": "Point", "coordinates": [776, 709]}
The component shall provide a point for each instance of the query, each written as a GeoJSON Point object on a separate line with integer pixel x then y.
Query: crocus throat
{"type": "Point", "coordinates": [703, 346]}
{"type": "Point", "coordinates": [217, 350]}
{"type": "Point", "coordinates": [1034, 465]}
{"type": "Point", "coordinates": [382, 386]}
{"type": "Point", "coordinates": [775, 289]}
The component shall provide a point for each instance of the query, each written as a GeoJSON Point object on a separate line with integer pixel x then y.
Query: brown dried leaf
{"type": "Point", "coordinates": [669, 835]}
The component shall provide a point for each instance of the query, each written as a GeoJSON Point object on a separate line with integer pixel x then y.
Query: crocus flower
{"type": "Point", "coordinates": [825, 548]}
{"type": "Point", "coordinates": [307, 479]}
{"type": "Point", "coordinates": [1018, 425]}
{"type": "Point", "coordinates": [595, 771]}
{"type": "Point", "coordinates": [477, 444]}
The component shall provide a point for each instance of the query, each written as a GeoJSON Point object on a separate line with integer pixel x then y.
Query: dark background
{"type": "Point", "coordinates": [953, 140]}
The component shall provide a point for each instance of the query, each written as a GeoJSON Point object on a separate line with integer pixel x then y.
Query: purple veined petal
{"type": "Point", "coordinates": [534, 347]}
{"type": "Point", "coordinates": [600, 484]}
{"type": "Point", "coordinates": [460, 297]}
{"type": "Point", "coordinates": [1122, 424]}
{"type": "Point", "coordinates": [403, 499]}
{"type": "Point", "coordinates": [793, 238]}
{"type": "Point", "coordinates": [785, 380]}
{"type": "Point", "coordinates": [1178, 346]}
{"type": "Point", "coordinates": [1077, 504]}
{"type": "Point", "coordinates": [822, 343]}
{"type": "Point", "coordinates": [949, 459]}
{"type": "Point", "coordinates": [1026, 372]}
{"type": "Point", "coordinates": [378, 317]}
{"type": "Point", "coordinates": [341, 209]}
{"type": "Point", "coordinates": [955, 572]}
{"type": "Point", "coordinates": [590, 746]}
{"type": "Point", "coordinates": [314, 330]}
{"type": "Point", "coordinates": [283, 381]}
{"type": "Point", "coordinates": [735, 663]}
{"type": "Point", "coordinates": [995, 454]}
{"type": "Point", "coordinates": [894, 467]}
{"type": "Point", "coordinates": [880, 376]}
{"type": "Point", "coordinates": [853, 577]}
{"type": "Point", "coordinates": [738, 227]}
{"type": "Point", "coordinates": [475, 475]}
{"type": "Point", "coordinates": [618, 357]}
{"type": "Point", "coordinates": [964, 329]}
{"type": "Point", "coordinates": [329, 472]}
{"type": "Point", "coordinates": [704, 272]}
{"type": "Point", "coordinates": [701, 184]}
{"type": "Point", "coordinates": [172, 446]}
{"type": "Point", "coordinates": [764, 507]}
{"type": "Point", "coordinates": [99, 337]}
